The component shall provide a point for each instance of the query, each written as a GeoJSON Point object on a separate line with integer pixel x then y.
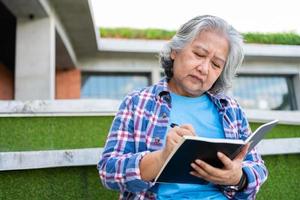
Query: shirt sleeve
{"type": "Point", "coordinates": [119, 164]}
{"type": "Point", "coordinates": [253, 166]}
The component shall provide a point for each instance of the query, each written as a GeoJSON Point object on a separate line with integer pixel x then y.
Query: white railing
{"type": "Point", "coordinates": [104, 107]}
{"type": "Point", "coordinates": [90, 156]}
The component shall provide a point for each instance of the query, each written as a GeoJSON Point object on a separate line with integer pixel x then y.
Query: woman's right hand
{"type": "Point", "coordinates": [174, 136]}
{"type": "Point", "coordinates": [152, 162]}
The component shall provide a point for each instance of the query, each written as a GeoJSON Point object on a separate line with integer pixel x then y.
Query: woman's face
{"type": "Point", "coordinates": [199, 64]}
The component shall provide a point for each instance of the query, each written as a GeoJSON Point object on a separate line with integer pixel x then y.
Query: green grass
{"type": "Point", "coordinates": [46, 133]}
{"type": "Point", "coordinates": [83, 182]}
{"type": "Point", "coordinates": [284, 178]}
{"type": "Point", "coordinates": [43, 133]}
{"type": "Point", "coordinates": [288, 38]}
{"type": "Point", "coordinates": [273, 38]}
{"type": "Point", "coordinates": [280, 130]}
{"type": "Point", "coordinates": [57, 183]}
{"type": "Point", "coordinates": [133, 33]}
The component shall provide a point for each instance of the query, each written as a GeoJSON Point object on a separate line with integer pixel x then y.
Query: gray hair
{"type": "Point", "coordinates": [189, 31]}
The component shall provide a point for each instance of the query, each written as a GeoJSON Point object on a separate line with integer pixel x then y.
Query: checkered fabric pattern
{"type": "Point", "coordinates": [139, 127]}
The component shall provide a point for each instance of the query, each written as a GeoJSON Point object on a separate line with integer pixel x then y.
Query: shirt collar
{"type": "Point", "coordinates": [219, 99]}
{"type": "Point", "coordinates": [161, 88]}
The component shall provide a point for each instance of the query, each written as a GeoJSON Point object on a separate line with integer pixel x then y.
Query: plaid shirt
{"type": "Point", "coordinates": [139, 127]}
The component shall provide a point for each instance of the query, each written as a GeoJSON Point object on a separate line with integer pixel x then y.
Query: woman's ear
{"type": "Point", "coordinates": [173, 54]}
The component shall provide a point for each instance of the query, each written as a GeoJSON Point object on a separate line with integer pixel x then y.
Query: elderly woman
{"type": "Point", "coordinates": [199, 63]}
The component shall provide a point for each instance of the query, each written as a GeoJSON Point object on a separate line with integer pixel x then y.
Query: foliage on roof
{"type": "Point", "coordinates": [287, 38]}
{"type": "Point", "coordinates": [132, 33]}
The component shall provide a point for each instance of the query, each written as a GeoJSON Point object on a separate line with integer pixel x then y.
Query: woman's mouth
{"type": "Point", "coordinates": [196, 78]}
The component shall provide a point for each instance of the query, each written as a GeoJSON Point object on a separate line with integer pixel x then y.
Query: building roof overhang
{"type": "Point", "coordinates": [78, 38]}
{"type": "Point", "coordinates": [74, 26]}
{"type": "Point", "coordinates": [154, 46]}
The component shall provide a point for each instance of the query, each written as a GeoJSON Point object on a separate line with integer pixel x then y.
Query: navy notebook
{"type": "Point", "coordinates": [177, 167]}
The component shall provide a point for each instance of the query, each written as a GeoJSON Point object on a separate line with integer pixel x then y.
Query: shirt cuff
{"type": "Point", "coordinates": [133, 175]}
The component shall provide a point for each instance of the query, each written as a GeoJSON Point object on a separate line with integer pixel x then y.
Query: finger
{"type": "Point", "coordinates": [184, 131]}
{"type": "Point", "coordinates": [174, 138]}
{"type": "Point", "coordinates": [208, 169]}
{"type": "Point", "coordinates": [175, 131]}
{"type": "Point", "coordinates": [227, 162]}
{"type": "Point", "coordinates": [177, 138]}
{"type": "Point", "coordinates": [198, 171]}
{"type": "Point", "coordinates": [201, 173]}
{"type": "Point", "coordinates": [243, 153]}
{"type": "Point", "coordinates": [179, 131]}
{"type": "Point", "coordinates": [189, 127]}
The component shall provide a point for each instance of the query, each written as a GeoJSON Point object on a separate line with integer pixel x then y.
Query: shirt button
{"type": "Point", "coordinates": [164, 115]}
{"type": "Point", "coordinates": [156, 140]}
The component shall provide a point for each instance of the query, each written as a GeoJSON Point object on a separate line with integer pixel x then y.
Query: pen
{"type": "Point", "coordinates": [173, 125]}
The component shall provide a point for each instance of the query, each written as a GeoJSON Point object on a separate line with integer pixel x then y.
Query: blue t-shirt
{"type": "Point", "coordinates": [202, 114]}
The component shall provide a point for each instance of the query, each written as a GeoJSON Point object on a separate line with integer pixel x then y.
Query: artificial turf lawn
{"type": "Point", "coordinates": [57, 183]}
{"type": "Point", "coordinates": [42, 133]}
{"type": "Point", "coordinates": [45, 133]}
{"type": "Point", "coordinates": [280, 130]}
{"type": "Point", "coordinates": [83, 182]}
{"type": "Point", "coordinates": [284, 178]}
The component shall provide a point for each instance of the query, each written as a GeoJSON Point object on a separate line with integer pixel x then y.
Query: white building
{"type": "Point", "coordinates": [51, 49]}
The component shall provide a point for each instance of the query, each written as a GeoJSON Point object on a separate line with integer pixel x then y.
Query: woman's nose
{"type": "Point", "coordinates": [203, 67]}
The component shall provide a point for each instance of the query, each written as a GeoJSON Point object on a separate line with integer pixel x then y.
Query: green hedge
{"type": "Point", "coordinates": [289, 38]}
{"type": "Point", "coordinates": [45, 133]}
{"type": "Point", "coordinates": [83, 182]}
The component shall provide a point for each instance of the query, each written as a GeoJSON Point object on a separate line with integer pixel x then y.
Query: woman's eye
{"type": "Point", "coordinates": [199, 55]}
{"type": "Point", "coordinates": [216, 65]}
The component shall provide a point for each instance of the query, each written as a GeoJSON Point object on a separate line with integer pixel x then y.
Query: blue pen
{"type": "Point", "coordinates": [173, 125]}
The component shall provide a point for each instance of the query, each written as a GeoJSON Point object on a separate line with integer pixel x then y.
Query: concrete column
{"type": "Point", "coordinates": [35, 59]}
{"type": "Point", "coordinates": [296, 82]}
{"type": "Point", "coordinates": [155, 75]}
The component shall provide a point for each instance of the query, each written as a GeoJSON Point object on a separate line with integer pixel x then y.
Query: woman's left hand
{"type": "Point", "coordinates": [230, 174]}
